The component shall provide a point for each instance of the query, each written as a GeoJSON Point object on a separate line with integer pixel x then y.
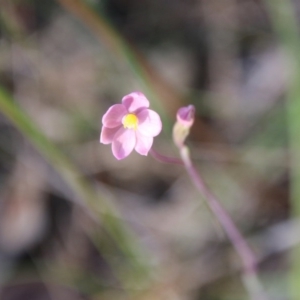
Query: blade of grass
{"type": "Point", "coordinates": [154, 86]}
{"type": "Point", "coordinates": [283, 19]}
{"type": "Point", "coordinates": [83, 191]}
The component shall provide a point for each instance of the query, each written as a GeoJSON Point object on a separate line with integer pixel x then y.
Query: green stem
{"type": "Point", "coordinates": [283, 19]}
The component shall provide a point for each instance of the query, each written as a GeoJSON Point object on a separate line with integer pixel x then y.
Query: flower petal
{"type": "Point", "coordinates": [135, 101]}
{"type": "Point", "coordinates": [113, 117]}
{"type": "Point", "coordinates": [143, 143]}
{"type": "Point", "coordinates": [149, 123]}
{"type": "Point", "coordinates": [107, 134]}
{"type": "Point", "coordinates": [123, 143]}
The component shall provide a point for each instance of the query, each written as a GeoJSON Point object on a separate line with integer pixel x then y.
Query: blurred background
{"type": "Point", "coordinates": [75, 223]}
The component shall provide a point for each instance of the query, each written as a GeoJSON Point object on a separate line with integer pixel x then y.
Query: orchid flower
{"type": "Point", "coordinates": [130, 125]}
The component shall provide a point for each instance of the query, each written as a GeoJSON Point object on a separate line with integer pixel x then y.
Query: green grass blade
{"type": "Point", "coordinates": [81, 188]}
{"type": "Point", "coordinates": [284, 22]}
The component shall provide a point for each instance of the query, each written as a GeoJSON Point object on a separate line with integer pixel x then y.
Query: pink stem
{"type": "Point", "coordinates": [165, 159]}
{"type": "Point", "coordinates": [233, 233]}
{"type": "Point", "coordinates": [251, 280]}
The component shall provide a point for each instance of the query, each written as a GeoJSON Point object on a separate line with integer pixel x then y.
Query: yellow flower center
{"type": "Point", "coordinates": [130, 121]}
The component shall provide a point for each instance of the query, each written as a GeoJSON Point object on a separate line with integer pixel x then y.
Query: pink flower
{"type": "Point", "coordinates": [130, 125]}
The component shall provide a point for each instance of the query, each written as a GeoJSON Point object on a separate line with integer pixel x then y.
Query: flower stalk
{"type": "Point", "coordinates": [241, 246]}
{"type": "Point", "coordinates": [181, 129]}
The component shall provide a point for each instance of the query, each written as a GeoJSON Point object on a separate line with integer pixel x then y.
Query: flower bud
{"type": "Point", "coordinates": [185, 115]}
{"type": "Point", "coordinates": [185, 119]}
